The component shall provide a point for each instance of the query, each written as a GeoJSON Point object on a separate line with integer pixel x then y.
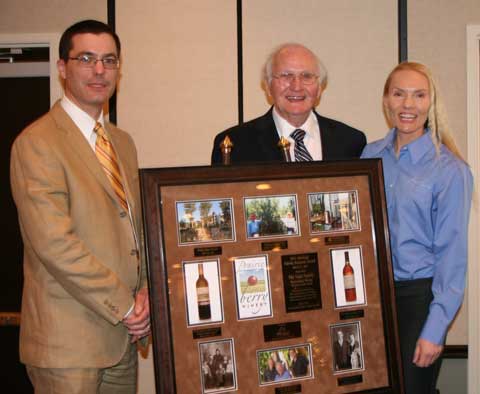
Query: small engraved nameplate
{"type": "Point", "coordinates": [207, 332]}
{"type": "Point", "coordinates": [338, 240]}
{"type": "Point", "coordinates": [350, 380]}
{"type": "Point", "coordinates": [293, 389]}
{"type": "Point", "coordinates": [277, 245]}
{"type": "Point", "coordinates": [204, 252]}
{"type": "Point", "coordinates": [281, 331]}
{"type": "Point", "coordinates": [356, 314]}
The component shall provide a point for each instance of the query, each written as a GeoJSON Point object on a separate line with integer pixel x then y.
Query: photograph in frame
{"type": "Point", "coordinates": [252, 285]}
{"type": "Point", "coordinates": [347, 350]}
{"type": "Point", "coordinates": [271, 216]}
{"type": "Point", "coordinates": [348, 277]}
{"type": "Point", "coordinates": [217, 366]}
{"type": "Point", "coordinates": [205, 221]}
{"type": "Point", "coordinates": [203, 295]}
{"type": "Point", "coordinates": [284, 364]}
{"type": "Point", "coordinates": [330, 212]}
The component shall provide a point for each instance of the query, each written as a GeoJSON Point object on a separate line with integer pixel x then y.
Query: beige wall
{"type": "Point", "coordinates": [34, 16]}
{"type": "Point", "coordinates": [442, 46]}
{"type": "Point", "coordinates": [437, 37]}
{"type": "Point", "coordinates": [180, 77]}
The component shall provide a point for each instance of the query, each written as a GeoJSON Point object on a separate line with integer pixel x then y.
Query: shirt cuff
{"type": "Point", "coordinates": [433, 331]}
{"type": "Point", "coordinates": [129, 311]}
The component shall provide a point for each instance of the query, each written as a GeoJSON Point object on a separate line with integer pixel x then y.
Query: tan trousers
{"type": "Point", "coordinates": [118, 379]}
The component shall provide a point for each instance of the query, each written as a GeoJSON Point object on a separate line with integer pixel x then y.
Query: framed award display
{"type": "Point", "coordinates": [271, 279]}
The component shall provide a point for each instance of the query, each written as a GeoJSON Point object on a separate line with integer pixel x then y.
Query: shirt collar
{"type": "Point", "coordinates": [386, 143]}
{"type": "Point", "coordinates": [420, 147]}
{"type": "Point", "coordinates": [284, 128]}
{"type": "Point", "coordinates": [417, 148]}
{"type": "Point", "coordinates": [81, 119]}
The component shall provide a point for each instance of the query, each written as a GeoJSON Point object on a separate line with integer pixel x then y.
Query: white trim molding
{"type": "Point", "coordinates": [49, 40]}
{"type": "Point", "coordinates": [473, 143]}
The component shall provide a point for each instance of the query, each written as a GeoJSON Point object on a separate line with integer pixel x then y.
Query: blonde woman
{"type": "Point", "coordinates": [428, 188]}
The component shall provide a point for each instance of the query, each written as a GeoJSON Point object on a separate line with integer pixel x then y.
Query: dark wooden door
{"type": "Point", "coordinates": [22, 100]}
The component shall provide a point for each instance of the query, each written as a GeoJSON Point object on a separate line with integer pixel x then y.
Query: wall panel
{"type": "Point", "coordinates": [437, 37]}
{"type": "Point", "coordinates": [180, 85]}
{"type": "Point", "coordinates": [33, 16]}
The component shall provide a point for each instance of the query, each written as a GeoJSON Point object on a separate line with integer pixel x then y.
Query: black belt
{"type": "Point", "coordinates": [415, 286]}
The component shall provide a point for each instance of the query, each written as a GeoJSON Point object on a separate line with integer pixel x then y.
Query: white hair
{"type": "Point", "coordinates": [267, 68]}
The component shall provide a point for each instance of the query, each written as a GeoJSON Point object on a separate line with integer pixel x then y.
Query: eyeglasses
{"type": "Point", "coordinates": [90, 61]}
{"type": "Point", "coordinates": [288, 77]}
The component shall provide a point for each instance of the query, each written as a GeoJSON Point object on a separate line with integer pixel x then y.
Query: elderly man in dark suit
{"type": "Point", "coordinates": [294, 79]}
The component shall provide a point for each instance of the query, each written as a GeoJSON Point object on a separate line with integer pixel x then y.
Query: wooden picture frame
{"type": "Point", "coordinates": [304, 307]}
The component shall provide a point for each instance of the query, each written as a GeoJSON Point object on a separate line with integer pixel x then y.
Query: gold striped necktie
{"type": "Point", "coordinates": [108, 159]}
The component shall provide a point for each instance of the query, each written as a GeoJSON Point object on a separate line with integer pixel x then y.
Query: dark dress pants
{"type": "Point", "coordinates": [413, 298]}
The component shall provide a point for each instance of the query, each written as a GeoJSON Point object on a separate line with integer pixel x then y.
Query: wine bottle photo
{"type": "Point", "coordinates": [348, 277]}
{"type": "Point", "coordinates": [203, 295]}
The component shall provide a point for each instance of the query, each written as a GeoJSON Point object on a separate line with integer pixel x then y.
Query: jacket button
{"type": "Point", "coordinates": [123, 214]}
{"type": "Point", "coordinates": [134, 252]}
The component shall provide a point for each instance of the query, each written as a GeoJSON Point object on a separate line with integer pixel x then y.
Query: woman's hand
{"type": "Point", "coordinates": [426, 353]}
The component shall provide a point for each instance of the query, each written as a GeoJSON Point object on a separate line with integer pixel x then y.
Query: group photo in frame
{"type": "Point", "coordinates": [271, 216]}
{"type": "Point", "coordinates": [347, 350]}
{"type": "Point", "coordinates": [203, 292]}
{"type": "Point", "coordinates": [252, 285]}
{"type": "Point", "coordinates": [283, 364]}
{"type": "Point", "coordinates": [333, 211]}
{"type": "Point", "coordinates": [202, 221]}
{"type": "Point", "coordinates": [348, 276]}
{"type": "Point", "coordinates": [218, 367]}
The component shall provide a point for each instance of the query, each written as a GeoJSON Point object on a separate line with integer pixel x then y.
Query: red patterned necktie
{"type": "Point", "coordinates": [108, 159]}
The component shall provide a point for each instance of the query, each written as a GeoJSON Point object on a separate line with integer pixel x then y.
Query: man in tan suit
{"type": "Point", "coordinates": [85, 301]}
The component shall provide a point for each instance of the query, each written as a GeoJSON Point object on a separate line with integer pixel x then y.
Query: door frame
{"type": "Point", "coordinates": [39, 39]}
{"type": "Point", "coordinates": [473, 144]}
{"type": "Point", "coordinates": [49, 40]}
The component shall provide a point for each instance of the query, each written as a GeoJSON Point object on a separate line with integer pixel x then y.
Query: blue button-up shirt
{"type": "Point", "coordinates": [428, 204]}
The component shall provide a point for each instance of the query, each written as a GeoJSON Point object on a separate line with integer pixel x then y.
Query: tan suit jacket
{"type": "Point", "coordinates": [81, 269]}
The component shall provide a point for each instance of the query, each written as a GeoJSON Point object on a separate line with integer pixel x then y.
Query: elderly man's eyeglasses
{"type": "Point", "coordinates": [288, 77]}
{"type": "Point", "coordinates": [90, 61]}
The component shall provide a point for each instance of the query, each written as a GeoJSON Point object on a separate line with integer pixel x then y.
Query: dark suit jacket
{"type": "Point", "coordinates": [256, 141]}
{"type": "Point", "coordinates": [341, 355]}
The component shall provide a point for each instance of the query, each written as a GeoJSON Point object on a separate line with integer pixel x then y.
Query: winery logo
{"type": "Point", "coordinates": [253, 288]}
{"type": "Point", "coordinates": [254, 296]}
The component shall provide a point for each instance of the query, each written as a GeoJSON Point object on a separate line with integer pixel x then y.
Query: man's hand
{"type": "Point", "coordinates": [426, 353]}
{"type": "Point", "coordinates": [138, 320]}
